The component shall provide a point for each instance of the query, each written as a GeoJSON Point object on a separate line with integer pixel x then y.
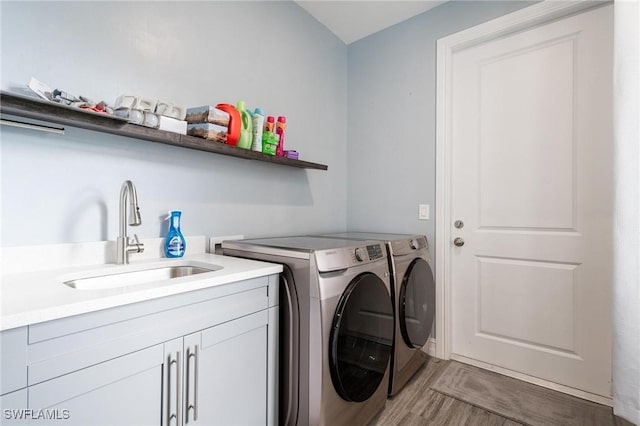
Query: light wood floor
{"type": "Point", "coordinates": [418, 405]}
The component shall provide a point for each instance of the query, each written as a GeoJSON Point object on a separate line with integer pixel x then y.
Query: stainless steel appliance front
{"type": "Point", "coordinates": [330, 292]}
{"type": "Point", "coordinates": [413, 292]}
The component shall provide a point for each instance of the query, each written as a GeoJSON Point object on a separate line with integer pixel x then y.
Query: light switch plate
{"type": "Point", "coordinates": [423, 211]}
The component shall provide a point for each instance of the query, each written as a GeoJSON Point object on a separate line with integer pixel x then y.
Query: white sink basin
{"type": "Point", "coordinates": [125, 278]}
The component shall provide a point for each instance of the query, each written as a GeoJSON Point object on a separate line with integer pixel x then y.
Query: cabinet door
{"type": "Point", "coordinates": [13, 359]}
{"type": "Point", "coordinates": [13, 408]}
{"type": "Point", "coordinates": [123, 391]}
{"type": "Point", "coordinates": [226, 373]}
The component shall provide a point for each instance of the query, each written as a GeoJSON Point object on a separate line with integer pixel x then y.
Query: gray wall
{"type": "Point", "coordinates": [391, 126]}
{"type": "Point", "coordinates": [270, 54]}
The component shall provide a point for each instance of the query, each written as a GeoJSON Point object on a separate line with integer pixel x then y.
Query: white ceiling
{"type": "Point", "coordinates": [355, 19]}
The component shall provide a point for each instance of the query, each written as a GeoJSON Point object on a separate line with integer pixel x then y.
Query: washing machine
{"type": "Point", "coordinates": [336, 326]}
{"type": "Point", "coordinates": [413, 291]}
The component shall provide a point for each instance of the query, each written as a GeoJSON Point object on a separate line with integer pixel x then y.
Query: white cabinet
{"type": "Point", "coordinates": [13, 367]}
{"type": "Point", "coordinates": [13, 376]}
{"type": "Point", "coordinates": [234, 354]}
{"type": "Point", "coordinates": [12, 406]}
{"type": "Point", "coordinates": [219, 376]}
{"type": "Point", "coordinates": [122, 391]}
{"type": "Point", "coordinates": [205, 357]}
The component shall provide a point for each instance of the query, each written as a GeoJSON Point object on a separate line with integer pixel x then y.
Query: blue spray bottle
{"type": "Point", "coordinates": [174, 245]}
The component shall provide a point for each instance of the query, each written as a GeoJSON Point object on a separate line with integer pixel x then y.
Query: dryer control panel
{"type": "Point", "coordinates": [406, 246]}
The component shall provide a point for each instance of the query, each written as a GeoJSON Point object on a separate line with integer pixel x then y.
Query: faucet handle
{"type": "Point", "coordinates": [137, 243]}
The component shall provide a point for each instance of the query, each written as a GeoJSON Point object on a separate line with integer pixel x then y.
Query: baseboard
{"type": "Point", "coordinates": [536, 381]}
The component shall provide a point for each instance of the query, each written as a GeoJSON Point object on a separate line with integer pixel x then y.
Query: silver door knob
{"type": "Point", "coordinates": [458, 242]}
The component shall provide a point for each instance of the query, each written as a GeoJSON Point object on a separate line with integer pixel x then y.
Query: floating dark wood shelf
{"type": "Point", "coordinates": [37, 109]}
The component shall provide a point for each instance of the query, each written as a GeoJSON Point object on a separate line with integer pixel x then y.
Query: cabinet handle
{"type": "Point", "coordinates": [175, 416]}
{"type": "Point", "coordinates": [178, 387]}
{"type": "Point", "coordinates": [169, 415]}
{"type": "Point", "coordinates": [196, 361]}
{"type": "Point", "coordinates": [195, 395]}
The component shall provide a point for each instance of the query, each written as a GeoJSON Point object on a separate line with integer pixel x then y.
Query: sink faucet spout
{"type": "Point", "coordinates": [124, 246]}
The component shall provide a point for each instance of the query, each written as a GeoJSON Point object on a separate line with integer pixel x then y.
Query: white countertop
{"type": "Point", "coordinates": [33, 297]}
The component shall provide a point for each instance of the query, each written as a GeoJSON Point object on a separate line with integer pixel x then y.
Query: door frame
{"type": "Point", "coordinates": [522, 19]}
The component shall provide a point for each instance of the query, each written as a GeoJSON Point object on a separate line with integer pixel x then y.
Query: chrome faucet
{"type": "Point", "coordinates": [124, 245]}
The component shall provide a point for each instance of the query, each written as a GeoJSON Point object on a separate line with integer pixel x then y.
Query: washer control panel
{"type": "Point", "coordinates": [370, 253]}
{"type": "Point", "coordinates": [375, 252]}
{"type": "Point", "coordinates": [331, 260]}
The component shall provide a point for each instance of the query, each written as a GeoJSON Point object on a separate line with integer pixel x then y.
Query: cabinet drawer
{"type": "Point", "coordinates": [13, 359]}
{"type": "Point", "coordinates": [55, 357]}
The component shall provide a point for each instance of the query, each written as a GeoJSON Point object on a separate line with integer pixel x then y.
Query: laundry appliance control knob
{"type": "Point", "coordinates": [359, 255]}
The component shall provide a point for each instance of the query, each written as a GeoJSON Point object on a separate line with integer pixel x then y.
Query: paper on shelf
{"type": "Point", "coordinates": [40, 89]}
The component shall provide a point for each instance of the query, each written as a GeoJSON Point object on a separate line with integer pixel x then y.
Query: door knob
{"type": "Point", "coordinates": [459, 242]}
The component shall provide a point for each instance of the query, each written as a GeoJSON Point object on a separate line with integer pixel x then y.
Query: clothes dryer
{"type": "Point", "coordinates": [413, 290]}
{"type": "Point", "coordinates": [336, 325]}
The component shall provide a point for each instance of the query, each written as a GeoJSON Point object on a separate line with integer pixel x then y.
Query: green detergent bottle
{"type": "Point", "coordinates": [246, 131]}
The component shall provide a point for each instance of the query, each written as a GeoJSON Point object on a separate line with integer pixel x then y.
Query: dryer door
{"type": "Point", "coordinates": [361, 338]}
{"type": "Point", "coordinates": [417, 303]}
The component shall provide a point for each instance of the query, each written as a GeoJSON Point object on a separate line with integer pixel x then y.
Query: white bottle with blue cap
{"type": "Point", "coordinates": [258, 124]}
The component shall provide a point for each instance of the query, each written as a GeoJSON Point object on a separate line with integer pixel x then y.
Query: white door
{"type": "Point", "coordinates": [531, 178]}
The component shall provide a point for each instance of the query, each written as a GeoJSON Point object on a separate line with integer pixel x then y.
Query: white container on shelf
{"type": "Point", "coordinates": [258, 124]}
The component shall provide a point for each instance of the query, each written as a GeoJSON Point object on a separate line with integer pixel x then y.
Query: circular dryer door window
{"type": "Point", "coordinates": [361, 338]}
{"type": "Point", "coordinates": [417, 304]}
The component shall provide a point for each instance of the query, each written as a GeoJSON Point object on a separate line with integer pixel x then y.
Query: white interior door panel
{"type": "Point", "coordinates": [531, 178]}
